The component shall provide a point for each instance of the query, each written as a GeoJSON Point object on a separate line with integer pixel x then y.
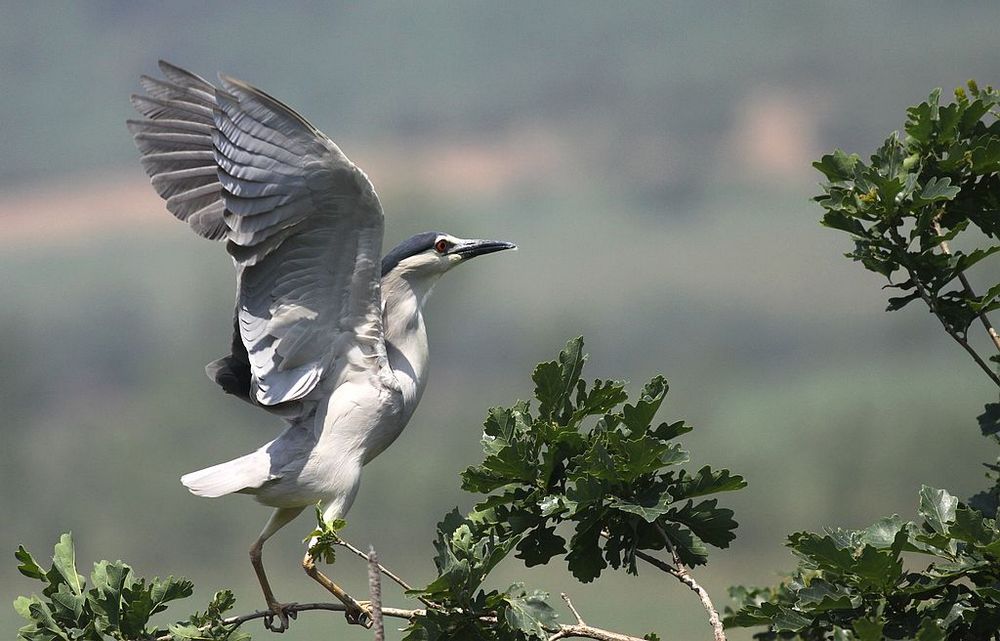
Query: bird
{"type": "Point", "coordinates": [328, 335]}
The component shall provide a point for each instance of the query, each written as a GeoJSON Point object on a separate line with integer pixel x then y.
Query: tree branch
{"type": "Point", "coordinates": [565, 631]}
{"type": "Point", "coordinates": [925, 295]}
{"type": "Point", "coordinates": [375, 591]}
{"type": "Point", "coordinates": [386, 571]}
{"type": "Point", "coordinates": [968, 289]}
{"type": "Point", "coordinates": [958, 339]}
{"type": "Point", "coordinates": [683, 574]}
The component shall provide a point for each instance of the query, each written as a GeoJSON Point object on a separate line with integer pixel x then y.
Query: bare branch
{"type": "Point", "coordinates": [683, 574]}
{"type": "Point", "coordinates": [375, 591]}
{"type": "Point", "coordinates": [569, 604]}
{"type": "Point", "coordinates": [386, 571]}
{"type": "Point", "coordinates": [584, 631]}
{"type": "Point", "coordinates": [587, 632]}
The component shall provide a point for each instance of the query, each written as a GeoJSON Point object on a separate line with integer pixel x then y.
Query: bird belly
{"type": "Point", "coordinates": [323, 457]}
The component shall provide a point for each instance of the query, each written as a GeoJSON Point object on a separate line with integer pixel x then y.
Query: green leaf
{"type": "Point", "coordinates": [989, 421]}
{"type": "Point", "coordinates": [711, 524]}
{"type": "Point", "coordinates": [878, 568]}
{"type": "Point", "coordinates": [937, 189]}
{"type": "Point", "coordinates": [529, 613]}
{"type": "Point", "coordinates": [787, 620]}
{"type": "Point", "coordinates": [706, 481]}
{"type": "Point", "coordinates": [555, 380]}
{"type": "Point", "coordinates": [585, 560]}
{"type": "Point", "coordinates": [883, 533]}
{"type": "Point", "coordinates": [539, 546]}
{"type": "Point", "coordinates": [64, 562]}
{"type": "Point", "coordinates": [971, 527]}
{"type": "Point", "coordinates": [110, 581]}
{"type": "Point", "coordinates": [837, 166]}
{"type": "Point", "coordinates": [602, 398]}
{"type": "Point", "coordinates": [638, 417]}
{"type": "Point", "coordinates": [28, 566]}
{"type": "Point", "coordinates": [868, 630]}
{"type": "Point", "coordinates": [930, 631]}
{"type": "Point", "coordinates": [938, 508]}
{"type": "Point", "coordinates": [964, 261]}
{"type": "Point", "coordinates": [843, 222]}
{"type": "Point", "coordinates": [820, 596]}
{"type": "Point", "coordinates": [821, 551]}
{"type": "Point", "coordinates": [22, 604]}
{"type": "Point", "coordinates": [648, 513]}
{"type": "Point", "coordinates": [68, 604]}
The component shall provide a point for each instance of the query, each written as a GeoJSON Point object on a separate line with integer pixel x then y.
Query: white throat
{"type": "Point", "coordinates": [403, 297]}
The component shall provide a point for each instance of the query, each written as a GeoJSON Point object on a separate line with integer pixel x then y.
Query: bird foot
{"type": "Point", "coordinates": [359, 613]}
{"type": "Point", "coordinates": [282, 612]}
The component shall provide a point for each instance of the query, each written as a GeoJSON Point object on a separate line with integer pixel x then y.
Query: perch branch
{"type": "Point", "coordinates": [579, 630]}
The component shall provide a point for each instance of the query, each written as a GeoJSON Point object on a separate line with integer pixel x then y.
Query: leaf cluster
{"type": "Point", "coordinates": [931, 186]}
{"type": "Point", "coordinates": [586, 461]}
{"type": "Point", "coordinates": [117, 605]}
{"type": "Point", "coordinates": [325, 537]}
{"type": "Point", "coordinates": [854, 584]}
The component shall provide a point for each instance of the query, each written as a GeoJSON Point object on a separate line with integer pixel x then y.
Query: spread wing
{"type": "Point", "coordinates": [302, 223]}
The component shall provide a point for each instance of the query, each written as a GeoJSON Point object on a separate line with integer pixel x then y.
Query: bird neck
{"type": "Point", "coordinates": [403, 298]}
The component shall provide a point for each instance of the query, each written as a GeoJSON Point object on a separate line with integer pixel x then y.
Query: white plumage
{"type": "Point", "coordinates": [326, 334]}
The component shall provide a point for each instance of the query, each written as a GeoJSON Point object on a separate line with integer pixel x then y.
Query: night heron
{"type": "Point", "coordinates": [325, 335]}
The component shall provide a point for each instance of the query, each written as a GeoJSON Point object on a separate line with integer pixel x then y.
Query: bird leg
{"type": "Point", "coordinates": [279, 518]}
{"type": "Point", "coordinates": [358, 612]}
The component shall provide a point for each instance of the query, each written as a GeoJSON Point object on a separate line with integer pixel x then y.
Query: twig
{"type": "Point", "coordinates": [569, 604]}
{"type": "Point", "coordinates": [968, 289]}
{"type": "Point", "coordinates": [582, 630]}
{"type": "Point", "coordinates": [375, 591]}
{"type": "Point", "coordinates": [684, 576]}
{"type": "Point", "coordinates": [925, 295]}
{"type": "Point", "coordinates": [958, 339]}
{"type": "Point", "coordinates": [386, 571]}
{"type": "Point", "coordinates": [588, 632]}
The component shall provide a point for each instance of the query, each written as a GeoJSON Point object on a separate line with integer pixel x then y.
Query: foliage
{"type": "Point", "coordinates": [935, 185]}
{"type": "Point", "coordinates": [326, 538]}
{"type": "Point", "coordinates": [118, 604]}
{"type": "Point", "coordinates": [904, 208]}
{"type": "Point", "coordinates": [585, 459]}
{"type": "Point", "coordinates": [852, 584]}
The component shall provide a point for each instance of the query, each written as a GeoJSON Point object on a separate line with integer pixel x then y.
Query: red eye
{"type": "Point", "coordinates": [441, 246]}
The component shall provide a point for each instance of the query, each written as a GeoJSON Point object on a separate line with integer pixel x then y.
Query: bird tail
{"type": "Point", "coordinates": [244, 474]}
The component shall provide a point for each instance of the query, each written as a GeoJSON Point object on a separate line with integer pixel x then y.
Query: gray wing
{"type": "Point", "coordinates": [303, 225]}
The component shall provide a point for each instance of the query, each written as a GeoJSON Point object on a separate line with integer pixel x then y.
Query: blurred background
{"type": "Point", "coordinates": [652, 160]}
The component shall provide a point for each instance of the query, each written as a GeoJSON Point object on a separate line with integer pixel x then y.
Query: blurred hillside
{"type": "Point", "coordinates": [652, 162]}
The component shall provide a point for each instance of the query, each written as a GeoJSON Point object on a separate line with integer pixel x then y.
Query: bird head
{"type": "Point", "coordinates": [433, 253]}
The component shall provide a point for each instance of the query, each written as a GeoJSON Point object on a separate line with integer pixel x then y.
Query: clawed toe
{"type": "Point", "coordinates": [282, 613]}
{"type": "Point", "coordinates": [360, 615]}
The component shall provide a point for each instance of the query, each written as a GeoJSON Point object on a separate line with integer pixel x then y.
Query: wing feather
{"type": "Point", "coordinates": [303, 225]}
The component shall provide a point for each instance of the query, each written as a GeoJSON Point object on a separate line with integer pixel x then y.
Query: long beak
{"type": "Point", "coordinates": [473, 248]}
